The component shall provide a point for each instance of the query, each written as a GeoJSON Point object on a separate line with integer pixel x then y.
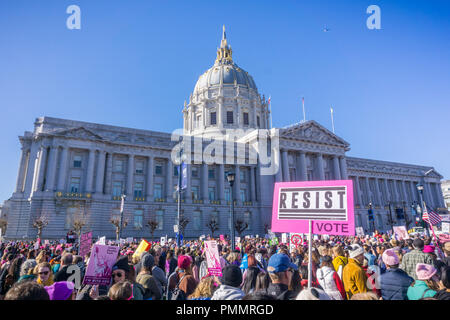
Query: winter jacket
{"type": "Point", "coordinates": [394, 284]}
{"type": "Point", "coordinates": [354, 278]}
{"type": "Point", "coordinates": [420, 290]}
{"type": "Point", "coordinates": [225, 292]}
{"type": "Point", "coordinates": [339, 264]}
{"type": "Point", "coordinates": [411, 259]}
{"type": "Point", "coordinates": [331, 283]}
{"type": "Point", "coordinates": [152, 290]}
{"type": "Point", "coordinates": [160, 278]}
{"type": "Point", "coordinates": [187, 284]}
{"type": "Point", "coordinates": [443, 295]}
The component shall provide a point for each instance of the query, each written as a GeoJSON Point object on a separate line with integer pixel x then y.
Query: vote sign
{"type": "Point", "coordinates": [328, 204]}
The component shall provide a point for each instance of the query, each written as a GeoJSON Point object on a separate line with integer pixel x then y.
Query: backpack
{"type": "Point", "coordinates": [177, 293]}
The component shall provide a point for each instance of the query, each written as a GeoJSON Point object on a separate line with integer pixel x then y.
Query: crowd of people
{"type": "Point", "coordinates": [343, 268]}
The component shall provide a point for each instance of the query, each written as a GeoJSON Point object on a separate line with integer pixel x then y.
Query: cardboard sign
{"type": "Point", "coordinates": [213, 258]}
{"type": "Point", "coordinates": [37, 244]}
{"type": "Point", "coordinates": [401, 233]}
{"type": "Point", "coordinates": [143, 246]}
{"type": "Point", "coordinates": [445, 227]}
{"type": "Point", "coordinates": [100, 265]}
{"type": "Point", "coordinates": [329, 204]}
{"type": "Point", "coordinates": [284, 238]}
{"type": "Point", "coordinates": [360, 231]}
{"type": "Point", "coordinates": [46, 242]}
{"type": "Point", "coordinates": [102, 241]}
{"type": "Point", "coordinates": [85, 243]}
{"type": "Point", "coordinates": [162, 241]}
{"type": "Point", "coordinates": [295, 240]}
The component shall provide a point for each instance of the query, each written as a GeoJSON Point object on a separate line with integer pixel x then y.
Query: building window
{"type": "Point", "coordinates": [75, 185]}
{"type": "Point", "coordinates": [70, 214]}
{"type": "Point", "coordinates": [138, 188]}
{"type": "Point", "coordinates": [138, 218]}
{"type": "Point", "coordinates": [118, 166]}
{"type": "Point", "coordinates": [258, 121]}
{"type": "Point", "coordinates": [77, 161]}
{"type": "Point", "coordinates": [242, 175]}
{"type": "Point", "coordinates": [139, 167]}
{"type": "Point", "coordinates": [160, 219]}
{"type": "Point", "coordinates": [157, 191]}
{"type": "Point", "coordinates": [213, 118]}
{"type": "Point", "coordinates": [230, 117]}
{"type": "Point", "coordinates": [243, 195]}
{"type": "Point", "coordinates": [227, 194]}
{"type": "Point", "coordinates": [248, 219]}
{"type": "Point", "coordinates": [194, 172]}
{"type": "Point", "coordinates": [197, 221]}
{"type": "Point", "coordinates": [175, 170]}
{"type": "Point", "coordinates": [158, 169]}
{"type": "Point", "coordinates": [194, 190]}
{"type": "Point", "coordinates": [117, 188]}
{"type": "Point", "coordinates": [212, 194]}
{"type": "Point", "coordinates": [246, 118]}
{"type": "Point", "coordinates": [211, 173]}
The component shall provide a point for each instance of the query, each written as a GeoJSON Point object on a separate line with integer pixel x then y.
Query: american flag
{"type": "Point", "coordinates": [431, 217]}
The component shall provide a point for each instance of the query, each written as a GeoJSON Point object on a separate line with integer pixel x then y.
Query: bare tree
{"type": "Point", "coordinates": [183, 223]}
{"type": "Point", "coordinates": [240, 226]}
{"type": "Point", "coordinates": [213, 226]}
{"type": "Point", "coordinates": [79, 221]}
{"type": "Point", "coordinates": [40, 222]}
{"type": "Point", "coordinates": [153, 225]}
{"type": "Point", "coordinates": [116, 223]}
{"type": "Point", "coordinates": [3, 224]}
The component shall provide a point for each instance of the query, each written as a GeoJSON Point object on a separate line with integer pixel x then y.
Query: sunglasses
{"type": "Point", "coordinates": [43, 273]}
{"type": "Point", "coordinates": [117, 274]}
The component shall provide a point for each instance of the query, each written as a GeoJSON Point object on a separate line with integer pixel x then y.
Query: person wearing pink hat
{"type": "Point", "coordinates": [427, 283]}
{"type": "Point", "coordinates": [184, 278]}
{"type": "Point", "coordinates": [394, 282]}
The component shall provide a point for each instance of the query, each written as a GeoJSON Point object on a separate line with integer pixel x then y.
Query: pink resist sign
{"type": "Point", "coordinates": [329, 204]}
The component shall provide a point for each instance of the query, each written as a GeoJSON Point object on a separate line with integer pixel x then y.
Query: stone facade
{"type": "Point", "coordinates": [72, 168]}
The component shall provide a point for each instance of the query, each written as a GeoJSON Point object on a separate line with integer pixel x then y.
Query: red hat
{"type": "Point", "coordinates": [184, 262]}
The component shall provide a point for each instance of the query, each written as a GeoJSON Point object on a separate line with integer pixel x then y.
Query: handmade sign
{"type": "Point", "coordinates": [401, 233]}
{"type": "Point", "coordinates": [143, 246]}
{"type": "Point", "coordinates": [85, 243]}
{"type": "Point", "coordinates": [213, 258]}
{"type": "Point", "coordinates": [102, 240]}
{"type": "Point", "coordinates": [284, 237]}
{"type": "Point", "coordinates": [327, 204]}
{"type": "Point", "coordinates": [100, 265]}
{"type": "Point", "coordinates": [445, 227]}
{"type": "Point", "coordinates": [360, 231]}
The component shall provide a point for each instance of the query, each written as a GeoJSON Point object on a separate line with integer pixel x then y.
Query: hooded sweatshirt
{"type": "Point", "coordinates": [225, 292]}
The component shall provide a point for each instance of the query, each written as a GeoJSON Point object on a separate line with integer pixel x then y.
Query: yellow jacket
{"type": "Point", "coordinates": [338, 262]}
{"type": "Point", "coordinates": [354, 278]}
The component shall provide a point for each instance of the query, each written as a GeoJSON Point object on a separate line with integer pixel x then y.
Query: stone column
{"type": "Point", "coordinates": [343, 166]}
{"type": "Point", "coordinates": [41, 168]}
{"type": "Point", "coordinates": [405, 194]}
{"type": "Point", "coordinates": [336, 169]}
{"type": "Point", "coordinates": [204, 182]}
{"type": "Point", "coordinates": [379, 193]}
{"type": "Point", "coordinates": [169, 183]}
{"type": "Point", "coordinates": [130, 174]}
{"type": "Point", "coordinates": [301, 166]}
{"type": "Point", "coordinates": [149, 184]}
{"type": "Point", "coordinates": [237, 185]}
{"type": "Point", "coordinates": [285, 165]}
{"type": "Point", "coordinates": [51, 169]}
{"type": "Point", "coordinates": [188, 196]}
{"type": "Point", "coordinates": [388, 193]}
{"type": "Point", "coordinates": [90, 171]}
{"type": "Point", "coordinates": [220, 118]}
{"type": "Point", "coordinates": [440, 195]}
{"type": "Point", "coordinates": [30, 168]}
{"type": "Point", "coordinates": [276, 159]}
{"type": "Point", "coordinates": [358, 190]}
{"type": "Point", "coordinates": [109, 170]}
{"type": "Point", "coordinates": [320, 168]}
{"type": "Point", "coordinates": [22, 169]}
{"type": "Point", "coordinates": [431, 202]}
{"type": "Point", "coordinates": [252, 185]}
{"type": "Point", "coordinates": [258, 183]}
{"type": "Point", "coordinates": [63, 169]}
{"type": "Point", "coordinates": [413, 188]}
{"type": "Point", "coordinates": [369, 193]}
{"type": "Point", "coordinates": [100, 172]}
{"type": "Point", "coordinates": [220, 183]}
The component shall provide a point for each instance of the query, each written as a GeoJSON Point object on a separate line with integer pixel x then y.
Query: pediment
{"type": "Point", "coordinates": [79, 133]}
{"type": "Point", "coordinates": [311, 131]}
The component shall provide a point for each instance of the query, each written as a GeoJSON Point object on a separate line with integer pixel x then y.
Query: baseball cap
{"type": "Point", "coordinates": [280, 262]}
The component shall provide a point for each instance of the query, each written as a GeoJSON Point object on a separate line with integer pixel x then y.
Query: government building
{"type": "Point", "coordinates": [72, 170]}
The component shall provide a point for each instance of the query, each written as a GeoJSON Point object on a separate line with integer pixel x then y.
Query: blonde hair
{"type": "Point", "coordinates": [234, 256]}
{"type": "Point", "coordinates": [338, 251]}
{"type": "Point", "coordinates": [41, 257]}
{"type": "Point", "coordinates": [365, 296]}
{"type": "Point", "coordinates": [205, 288]}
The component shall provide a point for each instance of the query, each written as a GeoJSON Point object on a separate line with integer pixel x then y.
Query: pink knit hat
{"type": "Point", "coordinates": [425, 271]}
{"type": "Point", "coordinates": [428, 249]}
{"type": "Point", "coordinates": [390, 258]}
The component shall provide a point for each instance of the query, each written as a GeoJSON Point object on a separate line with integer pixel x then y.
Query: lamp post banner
{"type": "Point", "coordinates": [329, 204]}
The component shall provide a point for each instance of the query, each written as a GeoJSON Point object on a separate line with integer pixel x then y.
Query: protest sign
{"type": "Point", "coordinates": [212, 258]}
{"type": "Point", "coordinates": [295, 240]}
{"type": "Point", "coordinates": [85, 243]}
{"type": "Point", "coordinates": [401, 233]}
{"type": "Point", "coordinates": [143, 246]}
{"type": "Point", "coordinates": [284, 238]}
{"type": "Point", "coordinates": [162, 241]}
{"type": "Point", "coordinates": [129, 240]}
{"type": "Point", "coordinates": [102, 240]}
{"type": "Point", "coordinates": [327, 204]}
{"type": "Point", "coordinates": [37, 244]}
{"type": "Point", "coordinates": [100, 265]}
{"type": "Point", "coordinates": [360, 231]}
{"type": "Point", "coordinates": [46, 242]}
{"type": "Point", "coordinates": [445, 227]}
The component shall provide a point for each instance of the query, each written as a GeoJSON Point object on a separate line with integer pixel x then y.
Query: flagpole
{"type": "Point", "coordinates": [426, 224]}
{"type": "Point", "coordinates": [332, 118]}
{"type": "Point", "coordinates": [270, 111]}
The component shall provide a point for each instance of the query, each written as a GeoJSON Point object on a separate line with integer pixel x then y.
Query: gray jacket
{"type": "Point", "coordinates": [225, 292]}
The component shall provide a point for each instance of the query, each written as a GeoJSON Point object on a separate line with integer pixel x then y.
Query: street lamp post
{"type": "Point", "coordinates": [230, 177]}
{"type": "Point", "coordinates": [122, 204]}
{"type": "Point", "coordinates": [420, 189]}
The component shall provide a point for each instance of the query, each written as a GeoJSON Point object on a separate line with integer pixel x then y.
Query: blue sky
{"type": "Point", "coordinates": [133, 63]}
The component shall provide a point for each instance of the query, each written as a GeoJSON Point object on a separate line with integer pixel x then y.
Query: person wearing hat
{"type": "Point", "coordinates": [183, 276]}
{"type": "Point", "coordinates": [313, 294]}
{"type": "Point", "coordinates": [329, 280]}
{"type": "Point", "coordinates": [146, 279]}
{"type": "Point", "coordinates": [414, 257]}
{"type": "Point", "coordinates": [427, 283]}
{"type": "Point", "coordinates": [394, 282]}
{"type": "Point", "coordinates": [230, 282]}
{"type": "Point", "coordinates": [353, 275]}
{"type": "Point", "coordinates": [437, 263]}
{"type": "Point", "coordinates": [122, 271]}
{"type": "Point", "coordinates": [63, 290]}
{"type": "Point", "coordinates": [280, 269]}
{"type": "Point", "coordinates": [446, 250]}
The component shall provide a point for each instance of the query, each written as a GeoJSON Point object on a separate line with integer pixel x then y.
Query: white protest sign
{"type": "Point", "coordinates": [129, 240]}
{"type": "Point", "coordinates": [284, 238]}
{"type": "Point", "coordinates": [401, 233]}
{"type": "Point", "coordinates": [162, 241]}
{"type": "Point", "coordinates": [175, 228]}
{"type": "Point", "coordinates": [102, 241]}
{"type": "Point", "coordinates": [360, 231]}
{"type": "Point", "coordinates": [445, 227]}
